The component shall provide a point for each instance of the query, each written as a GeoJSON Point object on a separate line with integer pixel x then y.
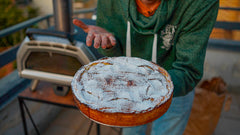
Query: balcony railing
{"type": "Point", "coordinates": [224, 44]}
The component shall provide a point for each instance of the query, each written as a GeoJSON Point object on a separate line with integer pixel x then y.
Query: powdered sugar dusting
{"type": "Point", "coordinates": [121, 84]}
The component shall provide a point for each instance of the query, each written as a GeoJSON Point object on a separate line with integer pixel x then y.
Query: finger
{"type": "Point", "coordinates": [80, 24]}
{"type": "Point", "coordinates": [89, 39]}
{"type": "Point", "coordinates": [112, 40]}
{"type": "Point", "coordinates": [97, 41]}
{"type": "Point", "coordinates": [104, 42]}
{"type": "Point", "coordinates": [109, 45]}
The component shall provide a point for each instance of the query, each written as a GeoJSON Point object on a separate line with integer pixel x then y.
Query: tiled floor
{"type": "Point", "coordinates": [229, 123]}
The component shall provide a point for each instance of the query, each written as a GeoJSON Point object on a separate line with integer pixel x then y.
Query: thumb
{"type": "Point", "coordinates": [81, 25]}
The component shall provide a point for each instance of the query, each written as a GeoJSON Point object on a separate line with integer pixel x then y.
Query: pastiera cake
{"type": "Point", "coordinates": [122, 91]}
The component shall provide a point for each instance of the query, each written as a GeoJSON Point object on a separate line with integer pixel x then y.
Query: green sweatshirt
{"type": "Point", "coordinates": [182, 27]}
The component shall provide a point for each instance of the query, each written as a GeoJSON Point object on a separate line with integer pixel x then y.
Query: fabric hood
{"type": "Point", "coordinates": [153, 24]}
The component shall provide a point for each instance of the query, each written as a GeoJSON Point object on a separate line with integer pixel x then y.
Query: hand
{"type": "Point", "coordinates": [100, 36]}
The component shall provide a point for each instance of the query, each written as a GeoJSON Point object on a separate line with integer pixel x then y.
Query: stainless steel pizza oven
{"type": "Point", "coordinates": [53, 55]}
{"type": "Point", "coordinates": [51, 61]}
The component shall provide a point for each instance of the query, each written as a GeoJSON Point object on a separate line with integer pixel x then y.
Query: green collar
{"type": "Point", "coordinates": [149, 25]}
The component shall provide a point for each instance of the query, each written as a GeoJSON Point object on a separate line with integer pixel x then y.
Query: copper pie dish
{"type": "Point", "coordinates": [110, 104]}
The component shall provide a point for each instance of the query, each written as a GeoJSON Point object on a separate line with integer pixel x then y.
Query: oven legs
{"type": "Point", "coordinates": [33, 85]}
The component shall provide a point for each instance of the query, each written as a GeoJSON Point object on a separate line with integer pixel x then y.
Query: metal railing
{"type": "Point", "coordinates": [30, 22]}
{"type": "Point", "coordinates": [230, 8]}
{"type": "Point", "coordinates": [225, 44]}
{"type": "Point", "coordinates": [23, 25]}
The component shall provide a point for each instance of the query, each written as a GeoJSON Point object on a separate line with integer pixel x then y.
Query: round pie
{"type": "Point", "coordinates": [122, 91]}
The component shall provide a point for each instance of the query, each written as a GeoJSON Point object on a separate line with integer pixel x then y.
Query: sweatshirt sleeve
{"type": "Point", "coordinates": [191, 47]}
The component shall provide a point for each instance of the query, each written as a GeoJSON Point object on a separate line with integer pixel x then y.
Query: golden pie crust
{"type": "Point", "coordinates": [124, 117]}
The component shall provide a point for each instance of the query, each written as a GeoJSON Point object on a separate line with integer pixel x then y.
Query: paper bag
{"type": "Point", "coordinates": [207, 106]}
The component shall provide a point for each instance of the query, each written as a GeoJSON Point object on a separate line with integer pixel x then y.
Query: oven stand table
{"type": "Point", "coordinates": [45, 94]}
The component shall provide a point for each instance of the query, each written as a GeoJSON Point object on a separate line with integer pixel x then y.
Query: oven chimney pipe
{"type": "Point", "coordinates": [63, 15]}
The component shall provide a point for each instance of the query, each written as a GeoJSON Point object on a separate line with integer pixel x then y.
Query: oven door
{"type": "Point", "coordinates": [51, 61]}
